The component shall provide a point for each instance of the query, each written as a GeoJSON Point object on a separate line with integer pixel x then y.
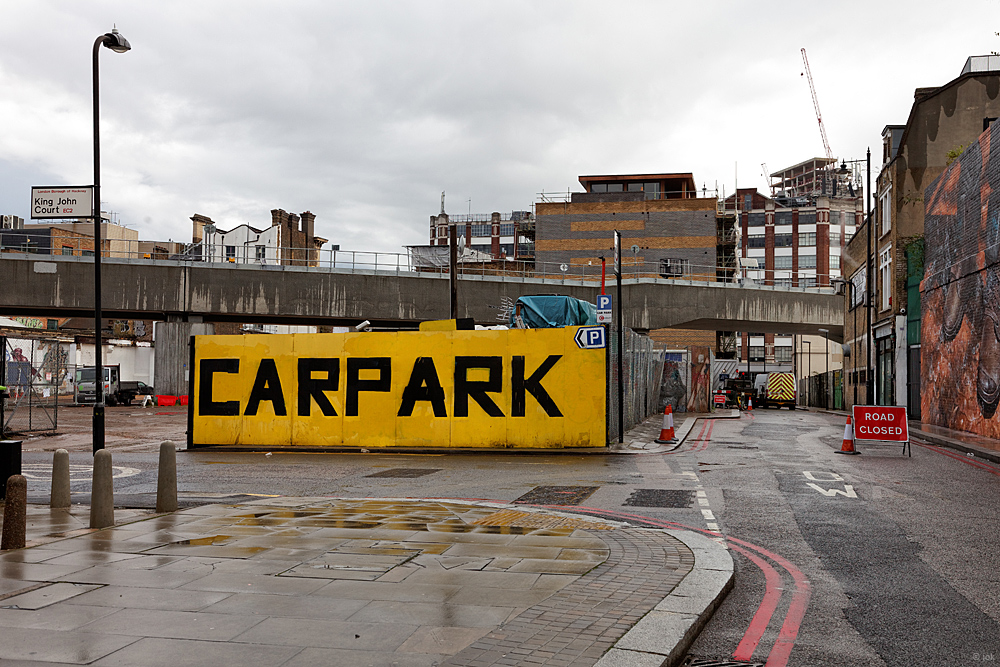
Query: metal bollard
{"type": "Point", "coordinates": [59, 498]}
{"type": "Point", "coordinates": [102, 494]}
{"type": "Point", "coordinates": [10, 462]}
{"type": "Point", "coordinates": [166, 478]}
{"type": "Point", "coordinates": [15, 513]}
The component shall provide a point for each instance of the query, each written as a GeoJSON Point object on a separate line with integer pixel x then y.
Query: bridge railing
{"type": "Point", "coordinates": [355, 261]}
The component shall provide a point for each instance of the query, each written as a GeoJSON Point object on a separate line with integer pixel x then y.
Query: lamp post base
{"type": "Point", "coordinates": [98, 426]}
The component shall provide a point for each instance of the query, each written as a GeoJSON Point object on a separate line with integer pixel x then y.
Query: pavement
{"type": "Point", "coordinates": [337, 581]}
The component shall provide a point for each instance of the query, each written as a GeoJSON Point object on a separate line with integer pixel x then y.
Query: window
{"type": "Point", "coordinates": [885, 208]}
{"type": "Point", "coordinates": [834, 261]}
{"type": "Point", "coordinates": [885, 276]}
{"type": "Point", "coordinates": [87, 253]}
{"type": "Point", "coordinates": [674, 268]}
{"type": "Point", "coordinates": [756, 353]}
{"type": "Point", "coordinates": [652, 190]}
{"type": "Point", "coordinates": [755, 240]}
{"type": "Point", "coordinates": [782, 354]}
{"type": "Point", "coordinates": [615, 187]}
{"type": "Point", "coordinates": [834, 238]}
{"type": "Point", "coordinates": [260, 252]}
{"type": "Point", "coordinates": [635, 187]}
{"type": "Point", "coordinates": [782, 240]}
{"type": "Point", "coordinates": [807, 238]}
{"type": "Point", "coordinates": [508, 229]}
{"type": "Point", "coordinates": [67, 250]}
{"type": "Point", "coordinates": [807, 281]}
{"type": "Point", "coordinates": [755, 220]}
{"type": "Point", "coordinates": [782, 261]}
{"type": "Point", "coordinates": [598, 187]}
{"type": "Point", "coordinates": [747, 203]}
{"type": "Point", "coordinates": [51, 324]}
{"type": "Point", "coordinates": [481, 230]}
{"type": "Point", "coordinates": [230, 252]}
{"type": "Point", "coordinates": [807, 261]}
{"type": "Point", "coordinates": [783, 282]}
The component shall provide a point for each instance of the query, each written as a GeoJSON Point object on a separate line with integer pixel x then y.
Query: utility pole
{"type": "Point", "coordinates": [621, 336]}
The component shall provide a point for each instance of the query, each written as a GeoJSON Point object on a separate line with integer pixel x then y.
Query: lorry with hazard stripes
{"type": "Point", "coordinates": [775, 390]}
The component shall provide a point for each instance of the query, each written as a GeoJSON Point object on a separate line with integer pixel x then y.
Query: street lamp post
{"type": "Point", "coordinates": [117, 43]}
{"type": "Point", "coordinates": [826, 367]}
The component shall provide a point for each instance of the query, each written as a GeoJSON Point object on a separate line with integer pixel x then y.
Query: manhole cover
{"type": "Point", "coordinates": [557, 495]}
{"type": "Point", "coordinates": [661, 498]}
{"type": "Point", "coordinates": [719, 662]}
{"type": "Point", "coordinates": [404, 472]}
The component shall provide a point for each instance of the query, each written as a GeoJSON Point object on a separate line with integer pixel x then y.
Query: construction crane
{"type": "Point", "coordinates": [819, 116]}
{"type": "Point", "coordinates": [767, 177]}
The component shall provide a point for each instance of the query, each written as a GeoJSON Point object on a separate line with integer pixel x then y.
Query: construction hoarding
{"type": "Point", "coordinates": [483, 389]}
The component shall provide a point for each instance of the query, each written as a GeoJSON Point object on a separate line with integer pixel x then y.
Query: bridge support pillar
{"type": "Point", "coordinates": [171, 358]}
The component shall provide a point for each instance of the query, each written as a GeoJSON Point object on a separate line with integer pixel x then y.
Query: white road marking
{"type": "Point", "coordinates": [833, 477]}
{"type": "Point", "coordinates": [708, 515]}
{"type": "Point", "coordinates": [77, 473]}
{"type": "Point", "coordinates": [848, 491]}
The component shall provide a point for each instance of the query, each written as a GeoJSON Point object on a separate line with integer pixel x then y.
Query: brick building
{"type": "Point", "coordinates": [943, 121]}
{"type": "Point", "coordinates": [667, 232]}
{"type": "Point", "coordinates": [290, 240]}
{"type": "Point", "coordinates": [500, 236]}
{"type": "Point", "coordinates": [795, 239]}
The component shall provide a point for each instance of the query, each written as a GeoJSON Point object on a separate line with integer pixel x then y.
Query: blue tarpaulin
{"type": "Point", "coordinates": [547, 312]}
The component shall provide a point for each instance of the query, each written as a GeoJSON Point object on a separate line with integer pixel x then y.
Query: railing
{"type": "Point", "coordinates": [352, 261]}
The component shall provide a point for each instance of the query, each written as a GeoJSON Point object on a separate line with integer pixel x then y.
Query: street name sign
{"type": "Point", "coordinates": [604, 309]}
{"type": "Point", "coordinates": [590, 338]}
{"type": "Point", "coordinates": [66, 201]}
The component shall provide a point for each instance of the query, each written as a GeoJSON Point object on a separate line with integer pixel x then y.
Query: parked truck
{"type": "Point", "coordinates": [116, 390]}
{"type": "Point", "coordinates": [775, 390]}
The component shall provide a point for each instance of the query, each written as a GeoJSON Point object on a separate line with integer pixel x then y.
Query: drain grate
{"type": "Point", "coordinates": [661, 498]}
{"type": "Point", "coordinates": [404, 472]}
{"type": "Point", "coordinates": [719, 662]}
{"type": "Point", "coordinates": [557, 495]}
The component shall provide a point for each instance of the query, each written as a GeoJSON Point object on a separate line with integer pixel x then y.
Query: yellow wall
{"type": "Point", "coordinates": [365, 403]}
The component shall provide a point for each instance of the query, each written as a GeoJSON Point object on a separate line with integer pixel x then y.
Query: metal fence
{"type": "Point", "coordinates": [33, 371]}
{"type": "Point", "coordinates": [642, 369]}
{"type": "Point", "coordinates": [382, 263]}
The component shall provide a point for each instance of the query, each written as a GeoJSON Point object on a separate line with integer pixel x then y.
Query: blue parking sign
{"type": "Point", "coordinates": [590, 338]}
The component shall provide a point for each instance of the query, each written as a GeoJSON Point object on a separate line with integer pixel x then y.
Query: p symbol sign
{"type": "Point", "coordinates": [590, 338]}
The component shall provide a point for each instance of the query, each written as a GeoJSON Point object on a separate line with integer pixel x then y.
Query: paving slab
{"type": "Point", "coordinates": [319, 581]}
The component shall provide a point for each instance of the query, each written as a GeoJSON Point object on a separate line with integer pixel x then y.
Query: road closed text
{"type": "Point", "coordinates": [522, 388]}
{"type": "Point", "coordinates": [882, 422]}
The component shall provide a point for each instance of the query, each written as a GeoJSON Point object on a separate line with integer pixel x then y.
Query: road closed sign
{"type": "Point", "coordinates": [880, 422]}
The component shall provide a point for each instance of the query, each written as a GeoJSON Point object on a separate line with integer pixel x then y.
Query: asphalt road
{"type": "Point", "coordinates": [878, 559]}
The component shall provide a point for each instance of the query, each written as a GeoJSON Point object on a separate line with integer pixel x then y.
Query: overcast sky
{"type": "Point", "coordinates": [364, 112]}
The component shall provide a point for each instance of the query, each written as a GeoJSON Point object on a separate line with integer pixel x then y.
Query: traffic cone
{"type": "Point", "coordinates": [848, 446]}
{"type": "Point", "coordinates": [750, 403]}
{"type": "Point", "coordinates": [667, 431]}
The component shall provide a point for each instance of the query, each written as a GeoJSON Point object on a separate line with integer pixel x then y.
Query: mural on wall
{"type": "Point", "coordinates": [699, 399]}
{"type": "Point", "coordinates": [673, 389]}
{"type": "Point", "coordinates": [960, 293]}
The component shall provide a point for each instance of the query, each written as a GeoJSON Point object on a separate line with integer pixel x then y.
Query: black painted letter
{"type": "Point", "coordinates": [423, 386]}
{"type": "Point", "coordinates": [314, 388]}
{"type": "Point", "coordinates": [533, 385]}
{"type": "Point", "coordinates": [206, 406]}
{"type": "Point", "coordinates": [266, 387]}
{"type": "Point", "coordinates": [476, 389]}
{"type": "Point", "coordinates": [354, 384]}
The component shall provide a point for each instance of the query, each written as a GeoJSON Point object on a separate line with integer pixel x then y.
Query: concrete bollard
{"type": "Point", "coordinates": [166, 478]}
{"type": "Point", "coordinates": [59, 497]}
{"type": "Point", "coordinates": [102, 493]}
{"type": "Point", "coordinates": [15, 513]}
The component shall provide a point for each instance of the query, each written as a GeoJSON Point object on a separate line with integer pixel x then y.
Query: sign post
{"type": "Point", "coordinates": [882, 422]}
{"type": "Point", "coordinates": [604, 309]}
{"type": "Point", "coordinates": [621, 335]}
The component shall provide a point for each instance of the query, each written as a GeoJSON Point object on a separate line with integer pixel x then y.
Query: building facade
{"type": "Point", "coordinates": [290, 240]}
{"type": "Point", "coordinates": [667, 232]}
{"type": "Point", "coordinates": [943, 121]}
{"type": "Point", "coordinates": [510, 237]}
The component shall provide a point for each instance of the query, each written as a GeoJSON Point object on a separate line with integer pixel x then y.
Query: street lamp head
{"type": "Point", "coordinates": [824, 331]}
{"type": "Point", "coordinates": [116, 41]}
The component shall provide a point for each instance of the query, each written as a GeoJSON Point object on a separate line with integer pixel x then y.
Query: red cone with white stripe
{"type": "Point", "coordinates": [667, 431]}
{"type": "Point", "coordinates": [848, 446]}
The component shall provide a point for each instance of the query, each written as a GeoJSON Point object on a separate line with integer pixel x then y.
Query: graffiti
{"type": "Point", "coordinates": [673, 390]}
{"type": "Point", "coordinates": [960, 293]}
{"type": "Point", "coordinates": [701, 377]}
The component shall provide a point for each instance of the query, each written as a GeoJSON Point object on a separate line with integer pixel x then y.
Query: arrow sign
{"type": "Point", "coordinates": [590, 338]}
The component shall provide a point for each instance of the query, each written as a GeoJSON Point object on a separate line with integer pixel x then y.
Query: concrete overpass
{"type": "Point", "coordinates": [186, 291]}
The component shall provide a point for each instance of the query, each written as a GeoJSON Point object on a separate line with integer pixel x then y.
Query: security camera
{"type": "Point", "coordinates": [902, 311]}
{"type": "Point", "coordinates": [364, 326]}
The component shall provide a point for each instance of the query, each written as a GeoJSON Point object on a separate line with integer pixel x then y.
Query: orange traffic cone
{"type": "Point", "coordinates": [848, 446]}
{"type": "Point", "coordinates": [750, 403]}
{"type": "Point", "coordinates": [667, 431]}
